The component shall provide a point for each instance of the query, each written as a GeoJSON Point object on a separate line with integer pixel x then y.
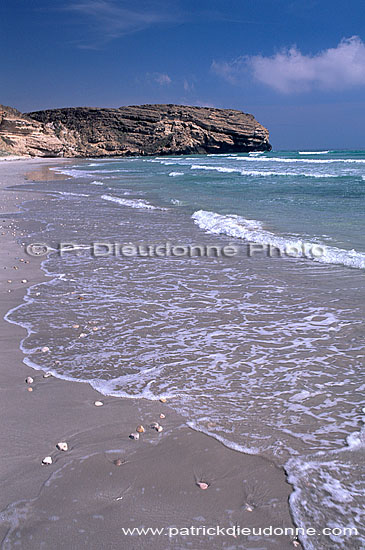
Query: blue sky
{"type": "Point", "coordinates": [298, 66]}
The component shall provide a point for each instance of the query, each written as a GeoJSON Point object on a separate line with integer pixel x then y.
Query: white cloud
{"type": "Point", "coordinates": [162, 78]}
{"type": "Point", "coordinates": [290, 71]}
{"type": "Point", "coordinates": [109, 19]}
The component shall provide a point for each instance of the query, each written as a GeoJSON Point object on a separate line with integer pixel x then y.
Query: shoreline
{"type": "Point", "coordinates": [156, 483]}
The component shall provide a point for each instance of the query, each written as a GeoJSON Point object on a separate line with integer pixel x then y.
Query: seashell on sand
{"type": "Point", "coordinates": [47, 460]}
{"type": "Point", "coordinates": [134, 435]}
{"type": "Point", "coordinates": [75, 326]}
{"type": "Point", "coordinates": [163, 400]}
{"type": "Point", "coordinates": [45, 349]}
{"type": "Point", "coordinates": [162, 415]}
{"type": "Point", "coordinates": [202, 485]}
{"type": "Point", "coordinates": [95, 329]}
{"type": "Point", "coordinates": [140, 429]}
{"type": "Point", "coordinates": [29, 380]}
{"type": "Point", "coordinates": [83, 335]}
{"type": "Point", "coordinates": [118, 462]}
{"type": "Point", "coordinates": [30, 388]}
{"type": "Point", "coordinates": [62, 446]}
{"type": "Point", "coordinates": [98, 403]}
{"type": "Point", "coordinates": [154, 425]}
{"type": "Point", "coordinates": [47, 375]}
{"type": "Point", "coordinates": [159, 429]}
{"type": "Point", "coordinates": [24, 281]}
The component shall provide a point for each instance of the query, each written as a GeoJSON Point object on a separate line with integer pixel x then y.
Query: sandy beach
{"type": "Point", "coordinates": [105, 482]}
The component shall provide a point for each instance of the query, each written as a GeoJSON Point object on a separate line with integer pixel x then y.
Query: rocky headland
{"type": "Point", "coordinates": [133, 130]}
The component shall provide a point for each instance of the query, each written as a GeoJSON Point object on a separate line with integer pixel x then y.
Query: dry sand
{"type": "Point", "coordinates": [84, 500]}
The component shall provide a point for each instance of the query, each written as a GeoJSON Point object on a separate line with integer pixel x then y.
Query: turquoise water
{"type": "Point", "coordinates": [264, 353]}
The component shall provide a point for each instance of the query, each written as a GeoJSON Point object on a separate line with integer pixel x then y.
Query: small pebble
{"type": "Point", "coordinates": [202, 485]}
{"type": "Point", "coordinates": [47, 375]}
{"type": "Point", "coordinates": [62, 446]}
{"type": "Point", "coordinates": [83, 335]}
{"type": "Point", "coordinates": [10, 281]}
{"type": "Point", "coordinates": [95, 329]}
{"type": "Point", "coordinates": [134, 435]}
{"type": "Point", "coordinates": [75, 326]}
{"type": "Point", "coordinates": [140, 429]}
{"type": "Point", "coordinates": [162, 415]}
{"type": "Point", "coordinates": [29, 380]}
{"type": "Point", "coordinates": [45, 349]}
{"type": "Point", "coordinates": [118, 462]}
{"type": "Point", "coordinates": [37, 293]}
{"type": "Point", "coordinates": [163, 400]}
{"type": "Point", "coordinates": [154, 425]}
{"type": "Point", "coordinates": [29, 389]}
{"type": "Point", "coordinates": [24, 281]}
{"type": "Point", "coordinates": [47, 460]}
{"type": "Point", "coordinates": [98, 403]}
{"type": "Point", "coordinates": [159, 429]}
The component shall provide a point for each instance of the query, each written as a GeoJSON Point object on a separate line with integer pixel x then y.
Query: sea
{"type": "Point", "coordinates": [232, 285]}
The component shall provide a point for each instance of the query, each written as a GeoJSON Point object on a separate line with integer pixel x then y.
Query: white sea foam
{"type": "Point", "coordinates": [70, 193]}
{"type": "Point", "coordinates": [96, 182]}
{"type": "Point", "coordinates": [309, 161]}
{"type": "Point", "coordinates": [73, 173]}
{"type": "Point", "coordinates": [313, 152]}
{"type": "Point", "coordinates": [252, 231]}
{"type": "Point", "coordinates": [132, 203]}
{"type": "Point", "coordinates": [174, 174]}
{"type": "Point", "coordinates": [263, 173]}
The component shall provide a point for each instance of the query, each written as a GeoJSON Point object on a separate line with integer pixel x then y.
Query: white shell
{"type": "Point", "coordinates": [98, 403]}
{"type": "Point", "coordinates": [47, 460]}
{"type": "Point", "coordinates": [62, 446]}
{"type": "Point", "coordinates": [24, 281]}
{"type": "Point", "coordinates": [134, 435]}
{"type": "Point", "coordinates": [159, 429]}
{"type": "Point", "coordinates": [75, 326]}
{"type": "Point", "coordinates": [45, 349]}
{"type": "Point", "coordinates": [363, 409]}
{"type": "Point", "coordinates": [29, 380]}
{"type": "Point", "coordinates": [83, 335]}
{"type": "Point", "coordinates": [162, 415]}
{"type": "Point", "coordinates": [202, 485]}
{"type": "Point", "coordinates": [47, 375]}
{"type": "Point", "coordinates": [154, 425]}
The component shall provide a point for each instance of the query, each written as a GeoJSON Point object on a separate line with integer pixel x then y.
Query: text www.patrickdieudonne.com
{"type": "Point", "coordinates": [235, 530]}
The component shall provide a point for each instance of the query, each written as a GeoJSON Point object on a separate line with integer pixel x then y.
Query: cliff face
{"type": "Point", "coordinates": [134, 130]}
{"type": "Point", "coordinates": [22, 135]}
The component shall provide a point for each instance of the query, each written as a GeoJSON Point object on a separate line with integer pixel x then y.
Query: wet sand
{"type": "Point", "coordinates": [83, 499]}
